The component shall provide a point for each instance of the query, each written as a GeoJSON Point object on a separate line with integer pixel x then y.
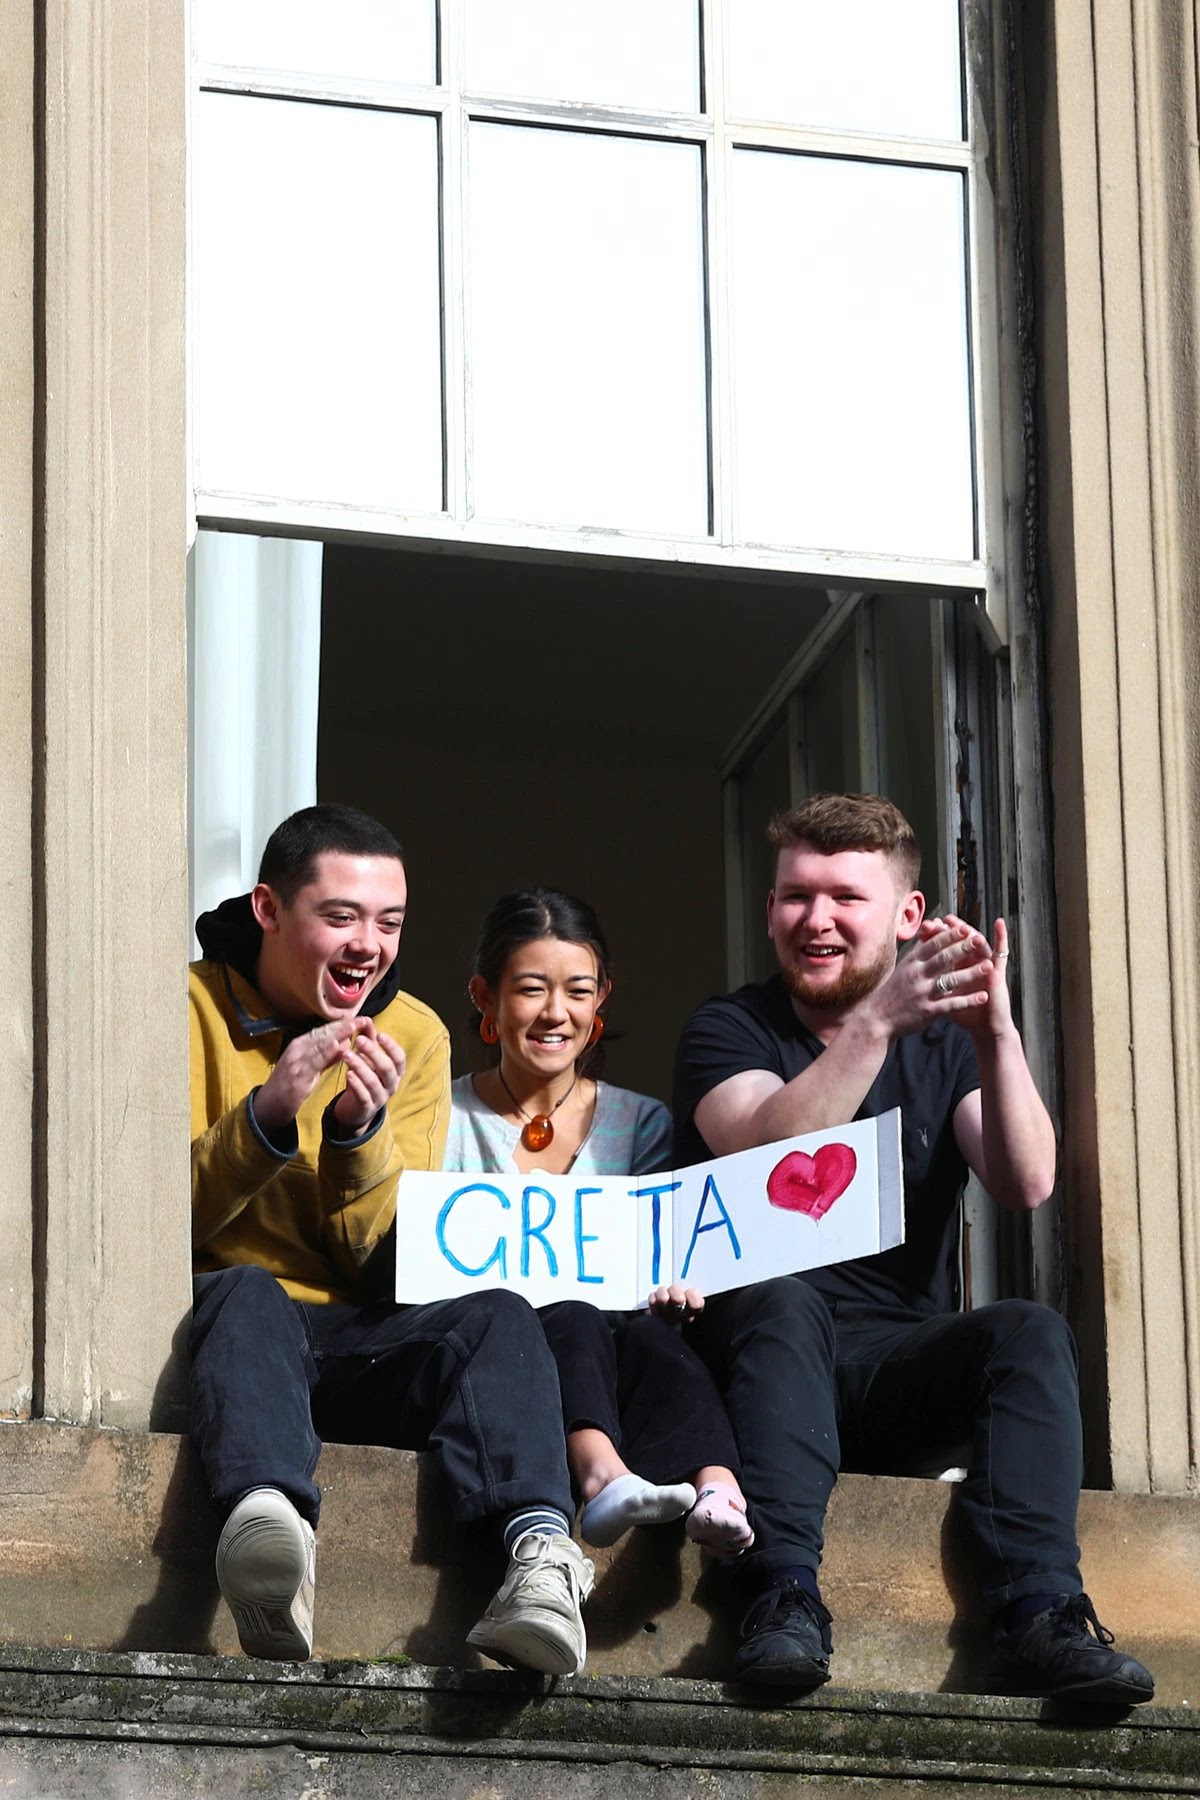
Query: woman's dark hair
{"type": "Point", "coordinates": [518, 919]}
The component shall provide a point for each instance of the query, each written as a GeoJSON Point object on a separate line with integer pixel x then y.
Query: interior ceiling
{"type": "Point", "coordinates": [422, 644]}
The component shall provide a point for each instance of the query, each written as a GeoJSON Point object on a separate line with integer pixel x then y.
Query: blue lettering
{"type": "Point", "coordinates": [724, 1223]}
{"type": "Point", "coordinates": [499, 1254]}
{"type": "Point", "coordinates": [537, 1231]}
{"type": "Point", "coordinates": [654, 1195]}
{"type": "Point", "coordinates": [581, 1238]}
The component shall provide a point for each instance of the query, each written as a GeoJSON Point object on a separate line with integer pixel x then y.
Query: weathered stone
{"type": "Point", "coordinates": [465, 1730]}
{"type": "Point", "coordinates": [107, 1543]}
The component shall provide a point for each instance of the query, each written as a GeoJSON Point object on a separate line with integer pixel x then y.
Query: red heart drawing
{"type": "Point", "coordinates": [811, 1184]}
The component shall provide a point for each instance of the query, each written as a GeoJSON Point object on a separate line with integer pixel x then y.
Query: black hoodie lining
{"type": "Point", "coordinates": [231, 935]}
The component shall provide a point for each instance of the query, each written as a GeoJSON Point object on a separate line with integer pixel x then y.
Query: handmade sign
{"type": "Point", "coordinates": [609, 1239]}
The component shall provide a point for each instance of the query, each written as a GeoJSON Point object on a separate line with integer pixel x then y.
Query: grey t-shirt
{"type": "Point", "coordinates": [630, 1135]}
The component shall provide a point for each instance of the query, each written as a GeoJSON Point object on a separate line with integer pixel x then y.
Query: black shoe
{"type": "Point", "coordinates": [1064, 1654]}
{"type": "Point", "coordinates": [785, 1639]}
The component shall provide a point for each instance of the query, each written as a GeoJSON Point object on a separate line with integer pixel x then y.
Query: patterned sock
{"type": "Point", "coordinates": [546, 1520]}
{"type": "Point", "coordinates": [718, 1521]}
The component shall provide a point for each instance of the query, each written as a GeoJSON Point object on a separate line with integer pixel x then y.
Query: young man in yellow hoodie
{"type": "Point", "coordinates": [315, 1082]}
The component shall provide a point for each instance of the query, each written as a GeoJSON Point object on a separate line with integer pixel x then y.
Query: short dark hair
{"type": "Point", "coordinates": [833, 822]}
{"type": "Point", "coordinates": [289, 861]}
{"type": "Point", "coordinates": [533, 913]}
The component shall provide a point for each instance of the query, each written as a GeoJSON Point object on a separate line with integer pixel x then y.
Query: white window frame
{"type": "Point", "coordinates": [718, 136]}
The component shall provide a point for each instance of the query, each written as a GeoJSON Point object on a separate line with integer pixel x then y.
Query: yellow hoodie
{"type": "Point", "coordinates": [304, 1206]}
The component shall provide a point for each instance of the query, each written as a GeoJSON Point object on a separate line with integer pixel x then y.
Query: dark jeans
{"type": "Point", "coordinates": [635, 1379]}
{"type": "Point", "coordinates": [811, 1386]}
{"type": "Point", "coordinates": [471, 1379]}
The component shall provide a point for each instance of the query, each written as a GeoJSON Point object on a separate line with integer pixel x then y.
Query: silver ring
{"type": "Point", "coordinates": [1002, 955]}
{"type": "Point", "coordinates": [945, 984]}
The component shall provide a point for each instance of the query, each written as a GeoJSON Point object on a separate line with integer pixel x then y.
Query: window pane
{"type": "Point", "coordinates": [384, 40]}
{"type": "Point", "coordinates": [643, 53]}
{"type": "Point", "coordinates": [316, 303]}
{"type": "Point", "coordinates": [909, 696]}
{"type": "Point", "coordinates": [892, 67]}
{"type": "Point", "coordinates": [850, 352]}
{"type": "Point", "coordinates": [764, 789]}
{"type": "Point", "coordinates": [832, 759]}
{"type": "Point", "coordinates": [586, 342]}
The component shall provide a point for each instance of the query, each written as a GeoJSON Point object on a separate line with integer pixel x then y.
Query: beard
{"type": "Point", "coordinates": [852, 985]}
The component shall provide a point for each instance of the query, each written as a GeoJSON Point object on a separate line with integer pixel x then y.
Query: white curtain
{"type": "Point", "coordinates": [254, 640]}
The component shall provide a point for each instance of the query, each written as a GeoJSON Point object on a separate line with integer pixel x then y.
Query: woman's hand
{"type": "Point", "coordinates": [676, 1303]}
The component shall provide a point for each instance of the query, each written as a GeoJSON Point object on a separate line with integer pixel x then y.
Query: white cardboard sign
{"type": "Point", "coordinates": [800, 1204]}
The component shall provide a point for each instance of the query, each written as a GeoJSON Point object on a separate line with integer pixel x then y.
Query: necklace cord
{"type": "Point", "coordinates": [539, 1132]}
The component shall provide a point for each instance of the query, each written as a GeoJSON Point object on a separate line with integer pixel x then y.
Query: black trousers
{"type": "Point", "coordinates": [471, 1379]}
{"type": "Point", "coordinates": [811, 1386]}
{"type": "Point", "coordinates": [634, 1378]}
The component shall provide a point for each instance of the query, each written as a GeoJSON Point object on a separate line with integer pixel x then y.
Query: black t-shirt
{"type": "Point", "coordinates": [925, 1075]}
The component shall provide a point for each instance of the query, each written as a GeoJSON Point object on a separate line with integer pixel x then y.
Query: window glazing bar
{"type": "Point", "coordinates": [280, 84]}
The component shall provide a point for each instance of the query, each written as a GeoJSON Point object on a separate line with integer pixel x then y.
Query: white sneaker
{"type": "Point", "coordinates": [536, 1620]}
{"type": "Point", "coordinates": [266, 1567]}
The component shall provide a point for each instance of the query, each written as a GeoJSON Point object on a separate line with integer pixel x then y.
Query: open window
{"type": "Point", "coordinates": [647, 418]}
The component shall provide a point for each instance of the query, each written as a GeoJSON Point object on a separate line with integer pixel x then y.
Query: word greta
{"type": "Point", "coordinates": [530, 1231]}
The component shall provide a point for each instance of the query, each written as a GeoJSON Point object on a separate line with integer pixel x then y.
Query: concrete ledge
{"type": "Point", "coordinates": [356, 1715]}
{"type": "Point", "coordinates": [107, 1542]}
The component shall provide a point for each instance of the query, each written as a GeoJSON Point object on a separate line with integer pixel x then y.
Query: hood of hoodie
{"type": "Point", "coordinates": [231, 934]}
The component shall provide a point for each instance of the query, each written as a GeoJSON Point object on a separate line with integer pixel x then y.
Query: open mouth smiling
{"type": "Point", "coordinates": [350, 979]}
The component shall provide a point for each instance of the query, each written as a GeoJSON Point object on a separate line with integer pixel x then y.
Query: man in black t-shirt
{"type": "Point", "coordinates": [866, 1361]}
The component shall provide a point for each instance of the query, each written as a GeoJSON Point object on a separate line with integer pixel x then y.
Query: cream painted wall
{"type": "Point", "coordinates": [110, 804]}
{"type": "Point", "coordinates": [639, 838]}
{"type": "Point", "coordinates": [1116, 186]}
{"type": "Point", "coordinates": [18, 953]}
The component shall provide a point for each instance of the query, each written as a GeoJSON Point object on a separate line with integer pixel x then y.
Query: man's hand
{"type": "Point", "coordinates": [950, 972]}
{"type": "Point", "coordinates": [676, 1303]}
{"type": "Point", "coordinates": [374, 1066]}
{"type": "Point", "coordinates": [1003, 1128]}
{"type": "Point", "coordinates": [374, 1070]}
{"type": "Point", "coordinates": [990, 1016]}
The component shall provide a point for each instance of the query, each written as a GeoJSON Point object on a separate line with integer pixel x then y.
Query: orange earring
{"type": "Point", "coordinates": [597, 1031]}
{"type": "Point", "coordinates": [488, 1030]}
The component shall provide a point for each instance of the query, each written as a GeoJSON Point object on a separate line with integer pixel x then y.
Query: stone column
{"type": "Point", "coordinates": [109, 601]}
{"type": "Point", "coordinates": [1113, 127]}
{"type": "Point", "coordinates": [19, 946]}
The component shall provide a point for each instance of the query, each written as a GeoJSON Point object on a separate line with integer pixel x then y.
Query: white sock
{"type": "Point", "coordinates": [630, 1501]}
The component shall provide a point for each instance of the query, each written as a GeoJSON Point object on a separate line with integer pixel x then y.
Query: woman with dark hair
{"type": "Point", "coordinates": [647, 1435]}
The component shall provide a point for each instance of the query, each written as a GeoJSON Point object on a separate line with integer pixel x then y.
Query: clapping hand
{"type": "Point", "coordinates": [374, 1068]}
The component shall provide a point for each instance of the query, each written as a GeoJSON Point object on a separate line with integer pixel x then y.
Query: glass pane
{"type": "Point", "coordinates": [851, 372]}
{"type": "Point", "coordinates": [587, 330]}
{"type": "Point", "coordinates": [316, 303]}
{"type": "Point", "coordinates": [829, 732]}
{"type": "Point", "coordinates": [892, 67]}
{"type": "Point", "coordinates": [764, 790]}
{"type": "Point", "coordinates": [907, 699]}
{"type": "Point", "coordinates": [643, 53]}
{"type": "Point", "coordinates": [383, 40]}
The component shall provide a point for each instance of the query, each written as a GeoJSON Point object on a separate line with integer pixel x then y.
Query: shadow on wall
{"type": "Point", "coordinates": [641, 841]}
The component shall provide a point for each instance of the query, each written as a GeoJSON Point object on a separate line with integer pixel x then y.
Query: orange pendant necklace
{"type": "Point", "coordinates": [538, 1133]}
